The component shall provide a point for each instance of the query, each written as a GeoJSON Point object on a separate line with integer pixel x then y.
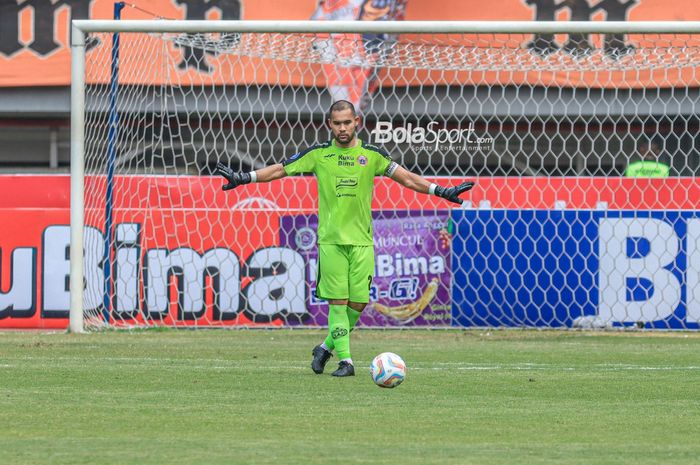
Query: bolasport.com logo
{"type": "Point", "coordinates": [432, 137]}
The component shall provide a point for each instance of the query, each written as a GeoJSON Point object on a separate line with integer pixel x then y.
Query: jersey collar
{"type": "Point", "coordinates": [359, 144]}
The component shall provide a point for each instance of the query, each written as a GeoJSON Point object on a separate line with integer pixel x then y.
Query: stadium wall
{"type": "Point", "coordinates": [523, 252]}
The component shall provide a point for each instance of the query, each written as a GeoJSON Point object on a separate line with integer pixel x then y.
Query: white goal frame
{"type": "Point", "coordinates": [80, 28]}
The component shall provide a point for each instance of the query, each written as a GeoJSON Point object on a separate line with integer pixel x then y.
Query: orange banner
{"type": "Point", "coordinates": [35, 51]}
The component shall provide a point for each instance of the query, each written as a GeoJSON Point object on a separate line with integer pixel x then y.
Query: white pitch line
{"type": "Point", "coordinates": [293, 365]}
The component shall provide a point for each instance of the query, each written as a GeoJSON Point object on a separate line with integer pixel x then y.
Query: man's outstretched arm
{"type": "Point", "coordinates": [420, 184]}
{"type": "Point", "coordinates": [267, 174]}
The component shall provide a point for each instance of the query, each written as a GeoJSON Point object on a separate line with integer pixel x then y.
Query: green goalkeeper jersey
{"type": "Point", "coordinates": [345, 186]}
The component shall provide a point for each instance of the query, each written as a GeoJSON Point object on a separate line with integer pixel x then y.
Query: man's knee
{"type": "Point", "coordinates": [357, 306]}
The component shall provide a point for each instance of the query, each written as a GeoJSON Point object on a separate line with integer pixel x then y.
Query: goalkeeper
{"type": "Point", "coordinates": [345, 168]}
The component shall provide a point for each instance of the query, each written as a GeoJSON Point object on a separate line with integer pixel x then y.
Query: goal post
{"type": "Point", "coordinates": [547, 118]}
{"type": "Point", "coordinates": [77, 176]}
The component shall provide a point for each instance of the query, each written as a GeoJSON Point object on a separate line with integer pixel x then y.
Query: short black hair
{"type": "Point", "coordinates": [340, 105]}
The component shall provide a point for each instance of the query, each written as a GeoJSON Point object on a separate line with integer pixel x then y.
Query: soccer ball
{"type": "Point", "coordinates": [388, 370]}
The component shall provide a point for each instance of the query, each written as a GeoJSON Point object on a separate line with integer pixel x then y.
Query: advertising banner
{"type": "Point", "coordinates": [411, 286]}
{"type": "Point", "coordinates": [35, 44]}
{"type": "Point", "coordinates": [525, 251]}
{"type": "Point", "coordinates": [553, 268]}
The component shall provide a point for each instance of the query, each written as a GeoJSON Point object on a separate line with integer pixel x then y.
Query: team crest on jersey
{"type": "Point", "coordinates": [362, 160]}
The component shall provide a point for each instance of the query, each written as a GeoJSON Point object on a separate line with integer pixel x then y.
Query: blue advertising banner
{"type": "Point", "coordinates": [555, 268]}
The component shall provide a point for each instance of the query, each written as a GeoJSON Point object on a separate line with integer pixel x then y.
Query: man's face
{"type": "Point", "coordinates": [343, 124]}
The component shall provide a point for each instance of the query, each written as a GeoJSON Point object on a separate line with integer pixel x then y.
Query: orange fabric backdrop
{"type": "Point", "coordinates": [25, 66]}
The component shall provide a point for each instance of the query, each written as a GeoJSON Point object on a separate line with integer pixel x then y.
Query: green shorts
{"type": "Point", "coordinates": [344, 272]}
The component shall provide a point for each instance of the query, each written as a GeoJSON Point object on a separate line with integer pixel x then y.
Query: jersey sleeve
{"type": "Point", "coordinates": [383, 164]}
{"type": "Point", "coordinates": [301, 162]}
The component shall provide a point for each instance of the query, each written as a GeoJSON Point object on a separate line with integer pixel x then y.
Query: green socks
{"type": "Point", "coordinates": [352, 317]}
{"type": "Point", "coordinates": [339, 330]}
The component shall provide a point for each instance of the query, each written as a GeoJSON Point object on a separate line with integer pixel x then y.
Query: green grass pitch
{"type": "Point", "coordinates": [249, 397]}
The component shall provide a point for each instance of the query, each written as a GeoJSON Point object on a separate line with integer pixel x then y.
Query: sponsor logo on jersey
{"type": "Point", "coordinates": [346, 160]}
{"type": "Point", "coordinates": [345, 182]}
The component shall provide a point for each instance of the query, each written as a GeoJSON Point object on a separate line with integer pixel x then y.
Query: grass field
{"type": "Point", "coordinates": [249, 397]}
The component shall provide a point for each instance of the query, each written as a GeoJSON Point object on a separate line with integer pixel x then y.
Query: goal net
{"type": "Point", "coordinates": [582, 143]}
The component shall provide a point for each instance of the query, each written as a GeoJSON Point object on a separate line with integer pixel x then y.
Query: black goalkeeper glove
{"type": "Point", "coordinates": [452, 193]}
{"type": "Point", "coordinates": [234, 179]}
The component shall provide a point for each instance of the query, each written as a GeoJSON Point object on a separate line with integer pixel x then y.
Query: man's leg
{"type": "Point", "coordinates": [332, 285]}
{"type": "Point", "coordinates": [339, 336]}
{"type": "Point", "coordinates": [339, 330]}
{"type": "Point", "coordinates": [354, 311]}
{"type": "Point", "coordinates": [360, 274]}
{"type": "Point", "coordinates": [361, 271]}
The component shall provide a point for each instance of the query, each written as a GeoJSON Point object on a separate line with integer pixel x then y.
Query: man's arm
{"type": "Point", "coordinates": [270, 173]}
{"type": "Point", "coordinates": [420, 184]}
{"type": "Point", "coordinates": [410, 180]}
{"type": "Point", "coordinates": [267, 174]}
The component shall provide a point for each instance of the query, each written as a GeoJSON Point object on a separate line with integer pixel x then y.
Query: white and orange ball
{"type": "Point", "coordinates": [388, 370]}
